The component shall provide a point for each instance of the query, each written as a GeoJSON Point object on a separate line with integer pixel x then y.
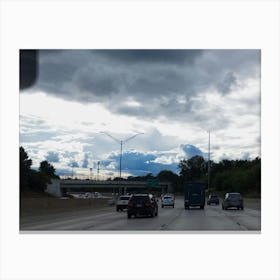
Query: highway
{"type": "Point", "coordinates": [212, 218]}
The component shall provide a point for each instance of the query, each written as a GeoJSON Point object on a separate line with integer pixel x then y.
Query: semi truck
{"type": "Point", "coordinates": [194, 194]}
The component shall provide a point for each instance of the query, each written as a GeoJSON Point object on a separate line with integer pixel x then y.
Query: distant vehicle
{"type": "Point", "coordinates": [142, 204]}
{"type": "Point", "coordinates": [233, 200]}
{"type": "Point", "coordinates": [213, 199]}
{"type": "Point", "coordinates": [167, 200]}
{"type": "Point", "coordinates": [97, 194]}
{"type": "Point", "coordinates": [83, 195]}
{"type": "Point", "coordinates": [90, 195]}
{"type": "Point", "coordinates": [194, 194]}
{"type": "Point", "coordinates": [122, 202]}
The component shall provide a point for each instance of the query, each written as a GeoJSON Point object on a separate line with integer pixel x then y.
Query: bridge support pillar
{"type": "Point", "coordinates": [54, 188]}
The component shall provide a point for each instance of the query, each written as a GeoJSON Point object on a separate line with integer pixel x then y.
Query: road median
{"type": "Point", "coordinates": [46, 205]}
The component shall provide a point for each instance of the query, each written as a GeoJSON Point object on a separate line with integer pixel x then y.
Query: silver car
{"type": "Point", "coordinates": [122, 202]}
{"type": "Point", "coordinates": [167, 200]}
{"type": "Point", "coordinates": [233, 200]}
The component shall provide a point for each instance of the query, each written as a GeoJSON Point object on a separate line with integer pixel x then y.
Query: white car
{"type": "Point", "coordinates": [122, 202]}
{"type": "Point", "coordinates": [167, 200]}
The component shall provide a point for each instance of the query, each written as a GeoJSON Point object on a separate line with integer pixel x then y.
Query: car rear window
{"type": "Point", "coordinates": [213, 196]}
{"type": "Point", "coordinates": [124, 198]}
{"type": "Point", "coordinates": [234, 195]}
{"type": "Point", "coordinates": [139, 198]}
{"type": "Point", "coordinates": [167, 197]}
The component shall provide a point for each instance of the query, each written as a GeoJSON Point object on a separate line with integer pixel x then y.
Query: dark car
{"type": "Point", "coordinates": [233, 200]}
{"type": "Point", "coordinates": [213, 199]}
{"type": "Point", "coordinates": [142, 204]}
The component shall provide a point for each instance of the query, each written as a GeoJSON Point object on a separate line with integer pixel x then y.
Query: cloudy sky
{"type": "Point", "coordinates": [171, 97]}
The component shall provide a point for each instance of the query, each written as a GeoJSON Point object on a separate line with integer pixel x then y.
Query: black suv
{"type": "Point", "coordinates": [213, 199]}
{"type": "Point", "coordinates": [142, 204]}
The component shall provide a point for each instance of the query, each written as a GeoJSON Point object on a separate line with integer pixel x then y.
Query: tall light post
{"type": "Point", "coordinates": [98, 168]}
{"type": "Point", "coordinates": [121, 142]}
{"type": "Point", "coordinates": [90, 173]}
{"type": "Point", "coordinates": [208, 160]}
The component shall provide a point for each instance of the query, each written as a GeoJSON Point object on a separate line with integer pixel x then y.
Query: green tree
{"type": "Point", "coordinates": [193, 168]}
{"type": "Point", "coordinates": [149, 176]}
{"type": "Point", "coordinates": [48, 169]}
{"type": "Point", "coordinates": [169, 176]}
{"type": "Point", "coordinates": [38, 181]}
{"type": "Point", "coordinates": [24, 169]}
{"type": "Point", "coordinates": [239, 175]}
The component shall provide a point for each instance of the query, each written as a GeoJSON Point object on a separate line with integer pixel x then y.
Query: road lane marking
{"type": "Point", "coordinates": [241, 226]}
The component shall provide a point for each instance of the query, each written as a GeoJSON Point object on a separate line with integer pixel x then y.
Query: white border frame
{"type": "Point", "coordinates": [155, 24]}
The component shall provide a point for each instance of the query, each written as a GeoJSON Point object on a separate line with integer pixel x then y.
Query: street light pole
{"type": "Point", "coordinates": [208, 160]}
{"type": "Point", "coordinates": [121, 159]}
{"type": "Point", "coordinates": [98, 168]}
{"type": "Point", "coordinates": [121, 142]}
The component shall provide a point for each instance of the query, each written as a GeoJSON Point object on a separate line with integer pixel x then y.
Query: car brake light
{"type": "Point", "coordinates": [148, 203]}
{"type": "Point", "coordinates": [130, 203]}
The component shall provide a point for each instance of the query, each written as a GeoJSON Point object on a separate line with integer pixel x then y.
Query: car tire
{"type": "Point", "coordinates": [242, 208]}
{"type": "Point", "coordinates": [223, 207]}
{"type": "Point", "coordinates": [156, 214]}
{"type": "Point", "coordinates": [128, 215]}
{"type": "Point", "coordinates": [117, 209]}
{"type": "Point", "coordinates": [162, 206]}
{"type": "Point", "coordinates": [173, 205]}
{"type": "Point", "coordinates": [153, 214]}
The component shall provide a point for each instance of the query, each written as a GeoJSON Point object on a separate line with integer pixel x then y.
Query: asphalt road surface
{"type": "Point", "coordinates": [211, 218]}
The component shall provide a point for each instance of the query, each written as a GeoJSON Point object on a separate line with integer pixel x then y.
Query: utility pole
{"type": "Point", "coordinates": [98, 164]}
{"type": "Point", "coordinates": [121, 142]}
{"type": "Point", "coordinates": [90, 173]}
{"type": "Point", "coordinates": [208, 160]}
{"type": "Point", "coordinates": [121, 159]}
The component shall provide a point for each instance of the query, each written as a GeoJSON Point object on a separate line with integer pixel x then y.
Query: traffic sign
{"type": "Point", "coordinates": [152, 182]}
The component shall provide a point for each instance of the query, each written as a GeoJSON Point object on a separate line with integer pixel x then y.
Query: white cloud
{"type": "Point", "coordinates": [174, 103]}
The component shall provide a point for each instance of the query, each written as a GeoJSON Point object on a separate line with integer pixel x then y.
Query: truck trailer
{"type": "Point", "coordinates": [194, 194]}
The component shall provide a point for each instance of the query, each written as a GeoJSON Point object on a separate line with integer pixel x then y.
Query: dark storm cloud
{"type": "Point", "coordinates": [151, 56]}
{"type": "Point", "coordinates": [191, 151]}
{"type": "Point", "coordinates": [52, 157]}
{"type": "Point", "coordinates": [140, 164]}
{"type": "Point", "coordinates": [228, 83]}
{"type": "Point", "coordinates": [164, 83]}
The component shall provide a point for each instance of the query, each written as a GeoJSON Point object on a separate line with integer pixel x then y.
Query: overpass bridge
{"type": "Point", "coordinates": [59, 187]}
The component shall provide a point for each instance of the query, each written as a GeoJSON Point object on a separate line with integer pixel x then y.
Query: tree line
{"type": "Point", "coordinates": [227, 175]}
{"type": "Point", "coordinates": [30, 179]}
